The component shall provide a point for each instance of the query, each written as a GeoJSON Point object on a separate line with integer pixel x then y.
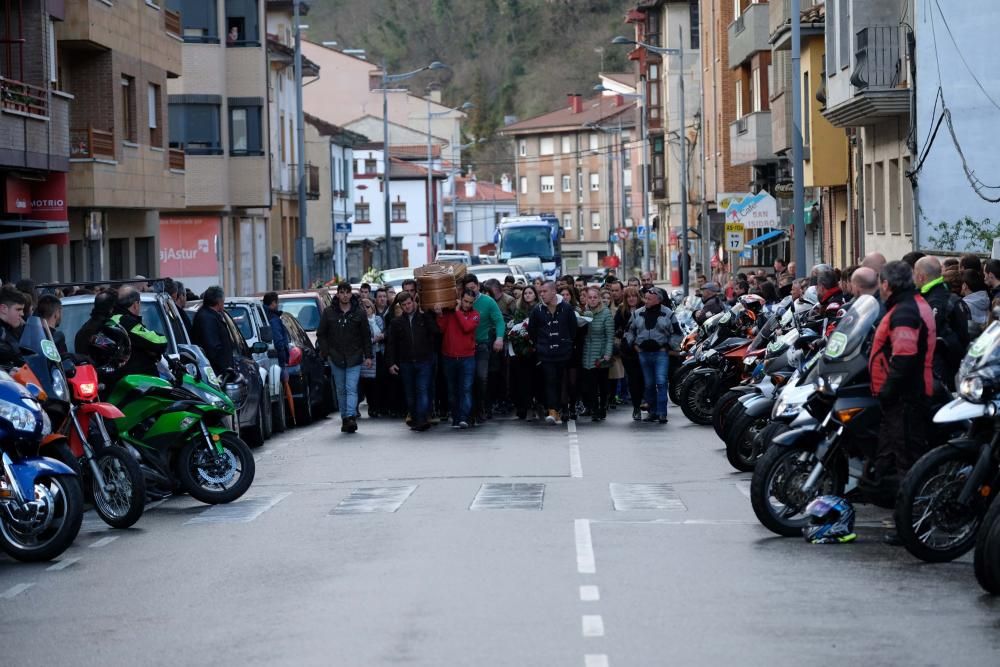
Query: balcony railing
{"type": "Point", "coordinates": [23, 97]}
{"type": "Point", "coordinates": [91, 143]}
{"type": "Point", "coordinates": [172, 23]}
{"type": "Point", "coordinates": [877, 61]}
{"type": "Point", "coordinates": [176, 159]}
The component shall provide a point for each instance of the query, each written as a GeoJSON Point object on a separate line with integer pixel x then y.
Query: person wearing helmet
{"type": "Point", "coordinates": [147, 345]}
{"type": "Point", "coordinates": [109, 348]}
{"type": "Point", "coordinates": [100, 314]}
{"type": "Point", "coordinates": [831, 521]}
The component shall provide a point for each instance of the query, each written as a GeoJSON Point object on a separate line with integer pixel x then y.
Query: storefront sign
{"type": "Point", "coordinates": [753, 211]}
{"type": "Point", "coordinates": [188, 246]}
{"type": "Point", "coordinates": [40, 200]}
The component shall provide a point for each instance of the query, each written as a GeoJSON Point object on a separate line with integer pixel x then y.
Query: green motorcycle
{"type": "Point", "coordinates": [181, 430]}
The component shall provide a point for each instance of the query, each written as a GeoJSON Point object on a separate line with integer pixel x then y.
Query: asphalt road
{"type": "Point", "coordinates": [511, 544]}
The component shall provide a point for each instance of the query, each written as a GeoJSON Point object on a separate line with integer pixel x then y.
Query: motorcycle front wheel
{"type": "Point", "coordinates": [930, 522]}
{"type": "Point", "coordinates": [674, 386]}
{"type": "Point", "coordinates": [986, 562]}
{"type": "Point", "coordinates": [697, 398]}
{"type": "Point", "coordinates": [776, 488]}
{"type": "Point", "coordinates": [742, 444]}
{"type": "Point", "coordinates": [49, 529]}
{"type": "Point", "coordinates": [212, 477]}
{"type": "Point", "coordinates": [720, 413]}
{"type": "Point", "coordinates": [125, 485]}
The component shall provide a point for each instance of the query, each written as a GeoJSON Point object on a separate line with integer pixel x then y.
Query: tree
{"type": "Point", "coordinates": [965, 234]}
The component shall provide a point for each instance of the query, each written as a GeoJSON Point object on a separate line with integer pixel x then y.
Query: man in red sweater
{"type": "Point", "coordinates": [459, 351]}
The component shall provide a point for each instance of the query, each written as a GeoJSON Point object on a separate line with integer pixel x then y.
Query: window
{"type": "Point", "coordinates": [154, 104]}
{"type": "Point", "coordinates": [196, 128]}
{"type": "Point", "coordinates": [399, 211]}
{"type": "Point", "coordinates": [362, 213]}
{"type": "Point", "coordinates": [282, 149]}
{"type": "Point", "coordinates": [737, 8]}
{"type": "Point", "coordinates": [244, 131]}
{"type": "Point", "coordinates": [877, 195]}
{"type": "Point", "coordinates": [567, 184]}
{"type": "Point", "coordinates": [547, 184]}
{"type": "Point", "coordinates": [567, 144]}
{"type": "Point", "coordinates": [595, 221]}
{"type": "Point", "coordinates": [907, 200]}
{"type": "Point", "coordinates": [50, 34]}
{"type": "Point", "coordinates": [695, 29]}
{"type": "Point", "coordinates": [546, 146]}
{"type": "Point", "coordinates": [595, 182]}
{"type": "Point", "coordinates": [755, 93]}
{"type": "Point", "coordinates": [653, 92]}
{"type": "Point", "coordinates": [595, 142]}
{"type": "Point", "coordinates": [522, 147]}
{"type": "Point", "coordinates": [242, 23]}
{"type": "Point", "coordinates": [200, 19]}
{"type": "Point", "coordinates": [806, 124]}
{"type": "Point", "coordinates": [739, 99]}
{"type": "Point", "coordinates": [144, 256]}
{"type": "Point", "coordinates": [895, 200]}
{"type": "Point", "coordinates": [524, 185]}
{"type": "Point", "coordinates": [128, 109]}
{"type": "Point", "coordinates": [844, 32]}
{"type": "Point", "coordinates": [371, 167]}
{"type": "Point", "coordinates": [579, 180]}
{"type": "Point", "coordinates": [567, 221]}
{"type": "Point", "coordinates": [118, 258]}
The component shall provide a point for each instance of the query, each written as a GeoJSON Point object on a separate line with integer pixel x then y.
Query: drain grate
{"type": "Point", "coordinates": [374, 499]}
{"type": "Point", "coordinates": [645, 497]}
{"type": "Point", "coordinates": [496, 496]}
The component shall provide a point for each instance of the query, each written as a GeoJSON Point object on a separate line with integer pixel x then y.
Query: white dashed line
{"type": "Point", "coordinates": [571, 426]}
{"type": "Point", "coordinates": [575, 465]}
{"type": "Point", "coordinates": [14, 591]}
{"type": "Point", "coordinates": [62, 565]}
{"type": "Point", "coordinates": [584, 547]}
{"type": "Point", "coordinates": [593, 625]}
{"type": "Point", "coordinates": [589, 594]}
{"type": "Point", "coordinates": [598, 660]}
{"type": "Point", "coordinates": [104, 541]}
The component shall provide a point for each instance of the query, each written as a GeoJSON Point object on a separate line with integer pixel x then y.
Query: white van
{"type": "Point", "coordinates": [454, 256]}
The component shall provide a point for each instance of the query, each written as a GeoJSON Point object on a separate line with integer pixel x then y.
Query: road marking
{"type": "Point", "coordinates": [104, 541]}
{"type": "Point", "coordinates": [645, 497]}
{"type": "Point", "coordinates": [686, 522]}
{"type": "Point", "coordinates": [571, 426]}
{"type": "Point", "coordinates": [584, 547]}
{"type": "Point", "coordinates": [575, 465]}
{"type": "Point", "coordinates": [503, 496]}
{"type": "Point", "coordinates": [744, 488]}
{"type": "Point", "coordinates": [62, 564]}
{"type": "Point", "coordinates": [374, 499]}
{"type": "Point", "coordinates": [240, 511]}
{"type": "Point", "coordinates": [595, 660]}
{"type": "Point", "coordinates": [154, 505]}
{"type": "Point", "coordinates": [593, 625]}
{"type": "Point", "coordinates": [589, 594]}
{"type": "Point", "coordinates": [14, 591]}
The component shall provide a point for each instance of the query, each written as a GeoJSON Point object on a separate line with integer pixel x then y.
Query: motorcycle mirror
{"type": "Point", "coordinates": [69, 368]}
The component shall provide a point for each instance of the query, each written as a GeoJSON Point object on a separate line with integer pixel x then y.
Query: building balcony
{"type": "Point", "coordinates": [138, 176]}
{"type": "Point", "coordinates": [312, 180]}
{"type": "Point", "coordinates": [20, 97]}
{"type": "Point", "coordinates": [91, 144]}
{"type": "Point", "coordinates": [879, 85]}
{"type": "Point", "coordinates": [34, 127]}
{"type": "Point", "coordinates": [748, 34]}
{"type": "Point", "coordinates": [750, 139]}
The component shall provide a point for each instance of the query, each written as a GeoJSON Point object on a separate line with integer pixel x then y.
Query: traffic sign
{"type": "Point", "coordinates": [343, 227]}
{"type": "Point", "coordinates": [623, 233]}
{"type": "Point", "coordinates": [640, 232]}
{"type": "Point", "coordinates": [734, 240]}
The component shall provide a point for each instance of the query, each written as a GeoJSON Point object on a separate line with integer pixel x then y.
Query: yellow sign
{"type": "Point", "coordinates": [734, 227]}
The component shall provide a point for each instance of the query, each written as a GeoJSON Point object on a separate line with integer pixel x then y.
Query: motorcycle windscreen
{"type": "Point", "coordinates": [39, 351]}
{"type": "Point", "coordinates": [853, 329]}
{"type": "Point", "coordinates": [984, 351]}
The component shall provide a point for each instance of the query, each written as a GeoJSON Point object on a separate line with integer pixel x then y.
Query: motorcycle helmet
{"type": "Point", "coordinates": [110, 348]}
{"type": "Point", "coordinates": [831, 521]}
{"type": "Point", "coordinates": [753, 302]}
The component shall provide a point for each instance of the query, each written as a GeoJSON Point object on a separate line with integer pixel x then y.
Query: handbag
{"type": "Point", "coordinates": [617, 369]}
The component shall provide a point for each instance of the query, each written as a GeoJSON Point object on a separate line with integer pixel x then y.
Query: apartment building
{"type": "Point", "coordinates": [218, 114]}
{"type": "Point", "coordinates": [476, 208]}
{"type": "Point", "coordinates": [565, 166]}
{"type": "Point", "coordinates": [116, 61]}
{"type": "Point", "coordinates": [34, 143]}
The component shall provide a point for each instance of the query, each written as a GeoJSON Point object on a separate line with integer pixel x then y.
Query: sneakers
{"type": "Point", "coordinates": [650, 418]}
{"type": "Point", "coordinates": [456, 425]}
{"type": "Point", "coordinates": [463, 425]}
{"type": "Point", "coordinates": [552, 418]}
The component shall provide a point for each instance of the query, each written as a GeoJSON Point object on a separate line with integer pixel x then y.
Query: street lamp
{"type": "Point", "coordinates": [386, 159]}
{"type": "Point", "coordinates": [684, 212]}
{"type": "Point", "coordinates": [438, 224]}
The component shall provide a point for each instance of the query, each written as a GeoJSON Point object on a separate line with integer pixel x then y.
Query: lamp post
{"type": "Point", "coordinates": [679, 52]}
{"type": "Point", "coordinates": [386, 159]}
{"type": "Point", "coordinates": [300, 138]}
{"type": "Point", "coordinates": [611, 159]}
{"type": "Point", "coordinates": [438, 224]}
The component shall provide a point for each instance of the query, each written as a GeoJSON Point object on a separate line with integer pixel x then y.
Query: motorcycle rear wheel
{"type": "Point", "coordinates": [126, 486]}
{"type": "Point", "coordinates": [29, 546]}
{"type": "Point", "coordinates": [697, 400]}
{"type": "Point", "coordinates": [986, 562]}
{"type": "Point", "coordinates": [216, 478]}
{"type": "Point", "coordinates": [778, 476]}
{"type": "Point", "coordinates": [674, 385]}
{"type": "Point", "coordinates": [927, 503]}
{"type": "Point", "coordinates": [720, 413]}
{"type": "Point", "coordinates": [742, 449]}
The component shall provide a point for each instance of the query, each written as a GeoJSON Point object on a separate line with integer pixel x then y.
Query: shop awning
{"type": "Point", "coordinates": [32, 229]}
{"type": "Point", "coordinates": [764, 238]}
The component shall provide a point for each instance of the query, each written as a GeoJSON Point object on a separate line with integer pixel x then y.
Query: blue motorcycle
{"type": "Point", "coordinates": [41, 502]}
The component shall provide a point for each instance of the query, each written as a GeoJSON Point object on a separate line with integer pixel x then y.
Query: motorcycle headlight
{"type": "Point", "coordinates": [59, 387]}
{"type": "Point", "coordinates": [972, 388]}
{"type": "Point", "coordinates": [46, 424]}
{"type": "Point", "coordinates": [20, 417]}
{"type": "Point", "coordinates": [209, 397]}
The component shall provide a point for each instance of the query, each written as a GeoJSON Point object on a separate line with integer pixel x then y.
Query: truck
{"type": "Point", "coordinates": [531, 236]}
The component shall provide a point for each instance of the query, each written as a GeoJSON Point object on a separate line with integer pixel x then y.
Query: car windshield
{"type": "Point", "coordinates": [75, 315]}
{"type": "Point", "coordinates": [304, 309]}
{"type": "Point", "coordinates": [241, 316]}
{"type": "Point", "coordinates": [984, 350]}
{"type": "Point", "coordinates": [853, 329]}
{"type": "Point", "coordinates": [527, 242]}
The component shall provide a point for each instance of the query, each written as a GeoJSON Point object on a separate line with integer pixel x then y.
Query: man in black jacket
{"type": "Point", "coordinates": [409, 353]}
{"type": "Point", "coordinates": [12, 303]}
{"type": "Point", "coordinates": [147, 345]}
{"type": "Point", "coordinates": [104, 308]}
{"type": "Point", "coordinates": [552, 329]}
{"type": "Point", "coordinates": [950, 319]}
{"type": "Point", "coordinates": [211, 332]}
{"type": "Point", "coordinates": [345, 340]}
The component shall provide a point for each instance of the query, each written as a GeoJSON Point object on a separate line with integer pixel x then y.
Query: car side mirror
{"type": "Point", "coordinates": [260, 347]}
{"type": "Point", "coordinates": [265, 334]}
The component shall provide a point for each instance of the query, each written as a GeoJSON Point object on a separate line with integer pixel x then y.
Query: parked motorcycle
{"type": "Point", "coordinates": [986, 561]}
{"type": "Point", "coordinates": [41, 503]}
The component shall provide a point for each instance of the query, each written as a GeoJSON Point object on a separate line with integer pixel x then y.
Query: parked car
{"type": "Point", "coordinates": [500, 271]}
{"type": "Point", "coordinates": [308, 375]}
{"type": "Point", "coordinates": [394, 277]}
{"type": "Point", "coordinates": [307, 307]}
{"type": "Point", "coordinates": [254, 410]}
{"type": "Point", "coordinates": [454, 256]}
{"type": "Point", "coordinates": [532, 267]}
{"type": "Point", "coordinates": [251, 319]}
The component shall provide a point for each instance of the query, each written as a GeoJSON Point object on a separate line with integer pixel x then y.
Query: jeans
{"type": "Point", "coordinates": [416, 377]}
{"type": "Point", "coordinates": [345, 383]}
{"type": "Point", "coordinates": [483, 352]}
{"type": "Point", "coordinates": [460, 372]}
{"type": "Point", "coordinates": [654, 373]}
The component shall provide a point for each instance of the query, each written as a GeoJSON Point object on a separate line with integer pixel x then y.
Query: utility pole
{"type": "Point", "coordinates": [685, 282]}
{"type": "Point", "coordinates": [798, 202]}
{"type": "Point", "coordinates": [386, 163]}
{"type": "Point", "coordinates": [300, 146]}
{"type": "Point", "coordinates": [645, 174]}
{"type": "Point", "coordinates": [706, 225]}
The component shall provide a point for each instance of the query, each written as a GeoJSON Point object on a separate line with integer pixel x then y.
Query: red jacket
{"type": "Point", "coordinates": [902, 357]}
{"type": "Point", "coordinates": [459, 329]}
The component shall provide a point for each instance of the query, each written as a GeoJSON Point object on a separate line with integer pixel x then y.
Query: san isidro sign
{"type": "Point", "coordinates": [753, 211]}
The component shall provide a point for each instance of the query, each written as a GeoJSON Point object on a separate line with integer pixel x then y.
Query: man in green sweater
{"type": "Point", "coordinates": [489, 341]}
